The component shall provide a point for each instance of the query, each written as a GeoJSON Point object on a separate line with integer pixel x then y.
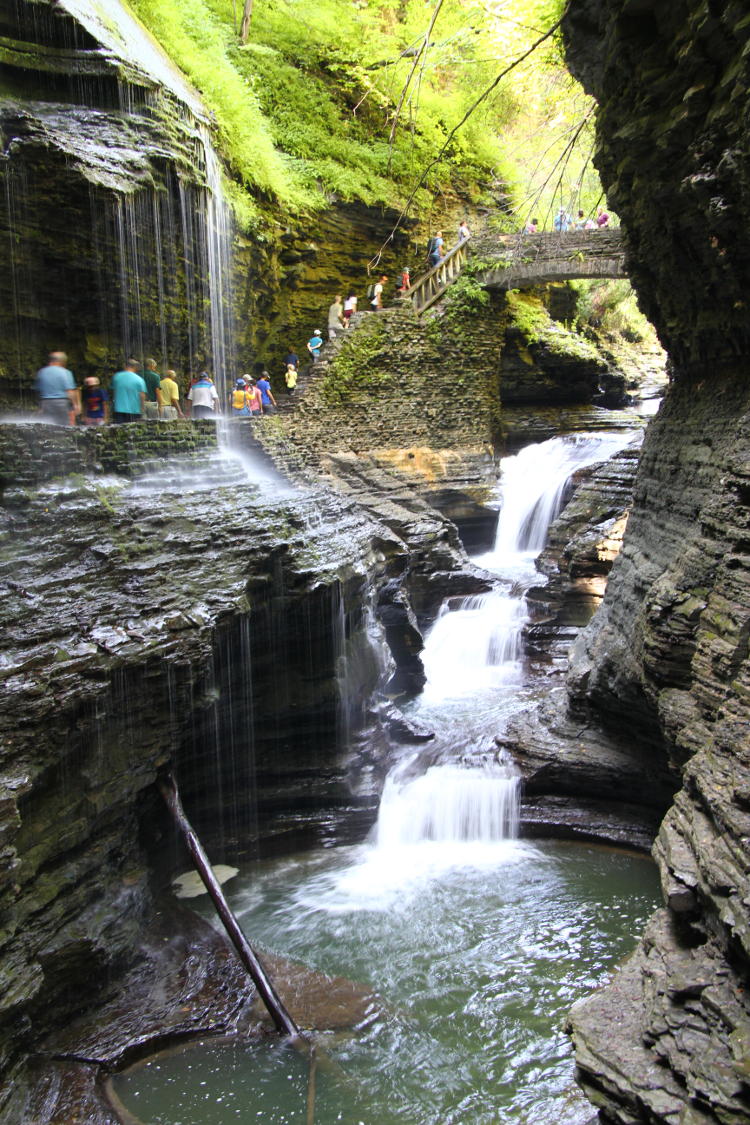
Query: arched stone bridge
{"type": "Point", "coordinates": [520, 261]}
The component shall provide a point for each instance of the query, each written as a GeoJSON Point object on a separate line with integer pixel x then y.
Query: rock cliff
{"type": "Point", "coordinates": [160, 606]}
{"type": "Point", "coordinates": [666, 657]}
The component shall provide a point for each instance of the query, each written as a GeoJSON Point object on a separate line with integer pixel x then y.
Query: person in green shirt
{"type": "Point", "coordinates": [152, 379]}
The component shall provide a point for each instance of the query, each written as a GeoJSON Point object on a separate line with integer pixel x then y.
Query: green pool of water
{"type": "Point", "coordinates": [478, 951]}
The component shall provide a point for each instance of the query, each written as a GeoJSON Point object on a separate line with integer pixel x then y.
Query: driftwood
{"type": "Point", "coordinates": [246, 953]}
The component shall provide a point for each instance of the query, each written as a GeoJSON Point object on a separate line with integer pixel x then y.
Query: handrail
{"type": "Point", "coordinates": [430, 286]}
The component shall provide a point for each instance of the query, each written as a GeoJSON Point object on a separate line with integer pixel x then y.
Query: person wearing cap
{"type": "Point", "coordinates": [314, 344]}
{"type": "Point", "coordinates": [264, 386]}
{"type": "Point", "coordinates": [95, 402]}
{"type": "Point", "coordinates": [239, 405]}
{"type": "Point", "coordinates": [204, 398]}
{"type": "Point", "coordinates": [336, 317]}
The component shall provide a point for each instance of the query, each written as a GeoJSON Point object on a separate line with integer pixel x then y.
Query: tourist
{"type": "Point", "coordinates": [264, 386]}
{"type": "Point", "coordinates": [562, 221]}
{"type": "Point", "coordinates": [377, 293]}
{"type": "Point", "coordinates": [238, 400]}
{"type": "Point", "coordinates": [168, 394]}
{"type": "Point", "coordinates": [290, 357]}
{"type": "Point", "coordinates": [253, 398]}
{"type": "Point", "coordinates": [95, 402]}
{"type": "Point", "coordinates": [532, 226]}
{"type": "Point", "coordinates": [435, 249]}
{"type": "Point", "coordinates": [602, 218]}
{"type": "Point", "coordinates": [405, 285]}
{"type": "Point", "coordinates": [350, 307]}
{"type": "Point", "coordinates": [128, 394]}
{"type": "Point", "coordinates": [335, 318]}
{"type": "Point", "coordinates": [204, 398]}
{"type": "Point", "coordinates": [463, 231]}
{"type": "Point", "coordinates": [58, 397]}
{"type": "Point", "coordinates": [290, 378]}
{"type": "Point", "coordinates": [152, 379]}
{"type": "Point", "coordinates": [314, 344]}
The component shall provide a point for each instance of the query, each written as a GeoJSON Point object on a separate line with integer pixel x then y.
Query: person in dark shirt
{"type": "Point", "coordinates": [95, 402]}
{"type": "Point", "coordinates": [291, 357]}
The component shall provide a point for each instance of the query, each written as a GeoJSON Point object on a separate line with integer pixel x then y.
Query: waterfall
{"type": "Point", "coordinates": [450, 804]}
{"type": "Point", "coordinates": [532, 488]}
{"type": "Point", "coordinates": [473, 654]}
{"type": "Point", "coordinates": [142, 231]}
{"type": "Point", "coordinates": [475, 645]}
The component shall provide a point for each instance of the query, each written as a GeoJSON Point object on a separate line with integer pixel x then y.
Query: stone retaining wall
{"type": "Point", "coordinates": [398, 382]}
{"type": "Point", "coordinates": [33, 453]}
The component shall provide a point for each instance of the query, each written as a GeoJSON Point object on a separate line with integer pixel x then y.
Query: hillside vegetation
{"type": "Point", "coordinates": [351, 100]}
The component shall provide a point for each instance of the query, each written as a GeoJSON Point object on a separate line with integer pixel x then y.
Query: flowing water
{"type": "Point", "coordinates": [478, 950]}
{"type": "Point", "coordinates": [476, 942]}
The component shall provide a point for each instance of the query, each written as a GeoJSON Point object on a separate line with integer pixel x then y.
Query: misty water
{"type": "Point", "coordinates": [476, 942]}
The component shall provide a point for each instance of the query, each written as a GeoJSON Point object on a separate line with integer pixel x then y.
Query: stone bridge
{"type": "Point", "coordinates": [521, 261]}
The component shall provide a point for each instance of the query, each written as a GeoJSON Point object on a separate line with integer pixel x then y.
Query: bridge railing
{"type": "Point", "coordinates": [431, 286]}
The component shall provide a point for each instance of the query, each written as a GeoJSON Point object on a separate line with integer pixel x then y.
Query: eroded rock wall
{"type": "Point", "coordinates": [667, 655]}
{"type": "Point", "coordinates": [178, 617]}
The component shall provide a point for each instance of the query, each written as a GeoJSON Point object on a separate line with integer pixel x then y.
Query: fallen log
{"type": "Point", "coordinates": [246, 953]}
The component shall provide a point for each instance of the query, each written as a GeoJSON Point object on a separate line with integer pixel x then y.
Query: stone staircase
{"type": "Point", "coordinates": [310, 372]}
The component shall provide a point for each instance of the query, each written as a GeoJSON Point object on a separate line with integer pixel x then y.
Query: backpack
{"type": "Point", "coordinates": [431, 246]}
{"type": "Point", "coordinates": [371, 292]}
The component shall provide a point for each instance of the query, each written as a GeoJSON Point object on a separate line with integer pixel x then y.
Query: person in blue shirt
{"type": "Point", "coordinates": [562, 221]}
{"type": "Point", "coordinates": [264, 386]}
{"type": "Point", "coordinates": [314, 344]}
{"type": "Point", "coordinates": [56, 387]}
{"type": "Point", "coordinates": [128, 394]}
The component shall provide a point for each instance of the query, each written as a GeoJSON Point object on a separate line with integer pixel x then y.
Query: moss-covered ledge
{"type": "Point", "coordinates": [33, 453]}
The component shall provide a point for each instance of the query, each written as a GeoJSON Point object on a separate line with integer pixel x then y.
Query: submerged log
{"type": "Point", "coordinates": [246, 953]}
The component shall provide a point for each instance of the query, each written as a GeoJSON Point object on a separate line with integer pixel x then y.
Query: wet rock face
{"type": "Point", "coordinates": [182, 618]}
{"type": "Point", "coordinates": [667, 655]}
{"type": "Point", "coordinates": [672, 81]}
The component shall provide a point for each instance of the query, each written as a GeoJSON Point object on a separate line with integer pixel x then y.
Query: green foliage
{"type": "Point", "coordinates": [612, 308]}
{"type": "Point", "coordinates": [357, 366]}
{"type": "Point", "coordinates": [465, 298]}
{"type": "Point", "coordinates": [304, 110]}
{"type": "Point", "coordinates": [528, 314]}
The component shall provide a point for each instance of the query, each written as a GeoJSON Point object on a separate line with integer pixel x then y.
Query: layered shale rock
{"type": "Point", "coordinates": [666, 658]}
{"type": "Point", "coordinates": [186, 617]}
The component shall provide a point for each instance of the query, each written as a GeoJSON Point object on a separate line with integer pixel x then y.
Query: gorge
{"type": "Point", "coordinates": [250, 608]}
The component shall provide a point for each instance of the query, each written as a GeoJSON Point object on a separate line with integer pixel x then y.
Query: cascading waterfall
{"type": "Point", "coordinates": [450, 804]}
{"type": "Point", "coordinates": [143, 232]}
{"type": "Point", "coordinates": [477, 645]}
{"type": "Point", "coordinates": [532, 487]}
{"type": "Point", "coordinates": [477, 642]}
{"type": "Point", "coordinates": [473, 654]}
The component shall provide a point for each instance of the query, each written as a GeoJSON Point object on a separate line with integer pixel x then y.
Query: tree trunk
{"type": "Point", "coordinates": [247, 15]}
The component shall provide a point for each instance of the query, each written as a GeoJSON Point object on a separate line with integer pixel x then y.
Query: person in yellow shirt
{"type": "Point", "coordinates": [168, 396]}
{"type": "Point", "coordinates": [290, 378]}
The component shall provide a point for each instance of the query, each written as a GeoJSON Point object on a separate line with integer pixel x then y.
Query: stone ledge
{"type": "Point", "coordinates": [31, 453]}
